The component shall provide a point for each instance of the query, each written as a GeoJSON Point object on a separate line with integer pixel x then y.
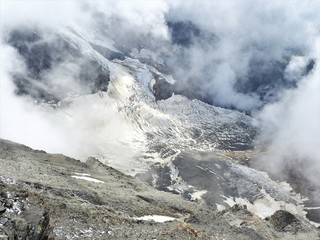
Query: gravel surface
{"type": "Point", "coordinates": [51, 196]}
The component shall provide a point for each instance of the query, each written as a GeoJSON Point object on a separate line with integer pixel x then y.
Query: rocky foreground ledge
{"type": "Point", "coordinates": [51, 196]}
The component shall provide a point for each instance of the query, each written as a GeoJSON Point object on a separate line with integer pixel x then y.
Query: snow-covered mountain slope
{"type": "Point", "coordinates": [176, 122]}
{"type": "Point", "coordinates": [110, 110]}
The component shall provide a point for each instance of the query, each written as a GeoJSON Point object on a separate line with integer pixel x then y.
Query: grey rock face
{"type": "Point", "coordinates": [19, 221]}
{"type": "Point", "coordinates": [281, 219]}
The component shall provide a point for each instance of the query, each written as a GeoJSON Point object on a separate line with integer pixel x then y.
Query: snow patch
{"type": "Point", "coordinates": [83, 174]}
{"type": "Point", "coordinates": [266, 206]}
{"type": "Point", "coordinates": [198, 195]}
{"type": "Point", "coordinates": [156, 218]}
{"type": "Point", "coordinates": [220, 207]}
{"type": "Point", "coordinates": [90, 179]}
{"type": "Point", "coordinates": [7, 180]}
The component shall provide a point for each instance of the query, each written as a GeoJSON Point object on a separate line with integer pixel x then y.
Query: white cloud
{"type": "Point", "coordinates": [242, 30]}
{"type": "Point", "coordinates": [291, 127]}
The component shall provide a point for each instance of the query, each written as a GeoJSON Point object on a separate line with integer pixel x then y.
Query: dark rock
{"type": "Point", "coordinates": [309, 66]}
{"type": "Point", "coordinates": [3, 220]}
{"type": "Point", "coordinates": [8, 203]}
{"type": "Point", "coordinates": [3, 194]}
{"type": "Point", "coordinates": [21, 228]}
{"type": "Point", "coordinates": [94, 75]}
{"type": "Point", "coordinates": [162, 89]}
{"type": "Point", "coordinates": [192, 219]}
{"type": "Point", "coordinates": [30, 226]}
{"type": "Point", "coordinates": [267, 79]}
{"type": "Point", "coordinates": [236, 208]}
{"type": "Point", "coordinates": [41, 228]}
{"type": "Point", "coordinates": [2, 210]}
{"type": "Point", "coordinates": [281, 219]}
{"type": "Point", "coordinates": [146, 199]}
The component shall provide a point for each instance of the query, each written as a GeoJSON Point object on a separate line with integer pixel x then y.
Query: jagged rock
{"type": "Point", "coordinates": [20, 228]}
{"type": "Point", "coordinates": [2, 210]}
{"type": "Point", "coordinates": [3, 220]}
{"type": "Point", "coordinates": [281, 219]}
{"type": "Point", "coordinates": [3, 195]}
{"type": "Point", "coordinates": [83, 209]}
{"type": "Point", "coordinates": [9, 203]}
{"type": "Point", "coordinates": [39, 228]}
{"type": "Point", "coordinates": [28, 226]}
{"type": "Point", "coordinates": [162, 89]}
{"type": "Point", "coordinates": [18, 221]}
{"type": "Point", "coordinates": [192, 219]}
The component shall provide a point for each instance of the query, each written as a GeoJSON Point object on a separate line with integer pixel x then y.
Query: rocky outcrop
{"type": "Point", "coordinates": [20, 220]}
{"type": "Point", "coordinates": [281, 220]}
{"type": "Point", "coordinates": [51, 196]}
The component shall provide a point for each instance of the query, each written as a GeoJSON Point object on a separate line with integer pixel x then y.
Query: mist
{"type": "Point", "coordinates": [81, 128]}
{"type": "Point", "coordinates": [291, 128]}
{"type": "Point", "coordinates": [259, 58]}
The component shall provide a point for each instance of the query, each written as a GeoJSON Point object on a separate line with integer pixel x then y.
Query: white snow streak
{"type": "Point", "coordinates": [90, 179]}
{"type": "Point", "coordinates": [156, 218]}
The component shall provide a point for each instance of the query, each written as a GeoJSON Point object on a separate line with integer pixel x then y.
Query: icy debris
{"type": "Point", "coordinates": [179, 188]}
{"type": "Point", "coordinates": [197, 195]}
{"type": "Point", "coordinates": [156, 218]}
{"type": "Point", "coordinates": [266, 205]}
{"type": "Point", "coordinates": [311, 208]}
{"type": "Point", "coordinates": [17, 207]}
{"type": "Point", "coordinates": [278, 191]}
{"type": "Point", "coordinates": [220, 207]}
{"type": "Point", "coordinates": [166, 77]}
{"type": "Point", "coordinates": [7, 180]}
